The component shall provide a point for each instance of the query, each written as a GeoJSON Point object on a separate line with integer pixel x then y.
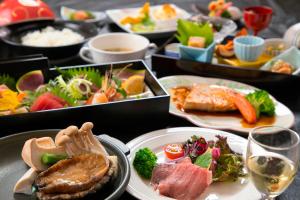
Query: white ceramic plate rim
{"type": "Point", "coordinates": [155, 135]}
{"type": "Point", "coordinates": [111, 13]}
{"type": "Point", "coordinates": [190, 117]}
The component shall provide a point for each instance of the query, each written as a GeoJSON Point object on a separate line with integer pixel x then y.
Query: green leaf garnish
{"type": "Point", "coordinates": [89, 73]}
{"type": "Point", "coordinates": [204, 160]}
{"type": "Point", "coordinates": [122, 92]}
{"type": "Point", "coordinates": [7, 80]}
{"type": "Point", "coordinates": [186, 29]}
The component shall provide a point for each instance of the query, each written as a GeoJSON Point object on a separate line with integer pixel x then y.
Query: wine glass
{"type": "Point", "coordinates": [257, 18]}
{"type": "Point", "coordinates": [272, 159]}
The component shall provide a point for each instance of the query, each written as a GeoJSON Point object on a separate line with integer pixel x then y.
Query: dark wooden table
{"type": "Point", "coordinates": [286, 14]}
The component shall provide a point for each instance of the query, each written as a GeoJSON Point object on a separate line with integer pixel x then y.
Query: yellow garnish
{"type": "Point", "coordinates": [143, 13]}
{"type": "Point", "coordinates": [134, 85]}
{"type": "Point", "coordinates": [166, 12]}
{"type": "Point", "coordinates": [8, 100]}
{"type": "Point", "coordinates": [146, 8]}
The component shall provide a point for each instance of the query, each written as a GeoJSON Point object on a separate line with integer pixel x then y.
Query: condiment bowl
{"type": "Point", "coordinates": [248, 48]}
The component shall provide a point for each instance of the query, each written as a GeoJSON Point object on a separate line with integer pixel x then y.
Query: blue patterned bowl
{"type": "Point", "coordinates": [197, 54]}
{"type": "Point", "coordinates": [248, 48]}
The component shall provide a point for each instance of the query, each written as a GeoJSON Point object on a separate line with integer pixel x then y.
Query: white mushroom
{"type": "Point", "coordinates": [86, 132]}
{"type": "Point", "coordinates": [24, 184]}
{"type": "Point", "coordinates": [33, 150]}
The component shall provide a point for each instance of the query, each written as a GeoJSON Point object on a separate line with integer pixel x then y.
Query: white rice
{"type": "Point", "coordinates": [50, 37]}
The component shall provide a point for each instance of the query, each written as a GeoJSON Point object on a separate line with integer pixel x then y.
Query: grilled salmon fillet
{"type": "Point", "coordinates": [211, 98]}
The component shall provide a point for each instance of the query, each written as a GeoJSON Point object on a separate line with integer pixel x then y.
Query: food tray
{"type": "Point", "coordinates": [225, 70]}
{"type": "Point", "coordinates": [129, 112]}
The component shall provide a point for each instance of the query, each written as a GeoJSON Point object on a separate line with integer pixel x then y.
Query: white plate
{"type": "Point", "coordinates": [65, 13]}
{"type": "Point", "coordinates": [163, 27]}
{"type": "Point", "coordinates": [283, 115]}
{"type": "Point", "coordinates": [141, 189]}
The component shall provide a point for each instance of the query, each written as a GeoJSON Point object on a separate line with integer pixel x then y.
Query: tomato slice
{"type": "Point", "coordinates": [174, 151]}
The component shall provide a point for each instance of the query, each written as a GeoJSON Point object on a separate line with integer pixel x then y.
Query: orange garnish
{"type": "Point", "coordinates": [21, 96]}
{"type": "Point", "coordinates": [242, 32]}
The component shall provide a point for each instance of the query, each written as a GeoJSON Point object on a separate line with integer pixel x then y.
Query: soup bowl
{"type": "Point", "coordinates": [114, 47]}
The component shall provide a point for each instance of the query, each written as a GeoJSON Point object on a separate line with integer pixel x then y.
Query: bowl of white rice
{"type": "Point", "coordinates": [56, 39]}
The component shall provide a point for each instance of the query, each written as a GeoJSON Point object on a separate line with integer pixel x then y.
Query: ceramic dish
{"type": "Point", "coordinates": [141, 189]}
{"type": "Point", "coordinates": [275, 46]}
{"type": "Point", "coordinates": [228, 26]}
{"type": "Point", "coordinates": [292, 56]}
{"type": "Point", "coordinates": [283, 116]}
{"type": "Point", "coordinates": [162, 29]}
{"type": "Point", "coordinates": [13, 33]}
{"type": "Point", "coordinates": [114, 47]}
{"type": "Point", "coordinates": [13, 167]}
{"type": "Point", "coordinates": [65, 13]}
{"type": "Point", "coordinates": [248, 48]}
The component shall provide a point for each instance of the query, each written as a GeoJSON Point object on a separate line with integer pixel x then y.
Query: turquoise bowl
{"type": "Point", "coordinates": [197, 54]}
{"type": "Point", "coordinates": [248, 48]}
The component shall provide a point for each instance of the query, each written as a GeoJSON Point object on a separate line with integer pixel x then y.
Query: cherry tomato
{"type": "Point", "coordinates": [174, 151]}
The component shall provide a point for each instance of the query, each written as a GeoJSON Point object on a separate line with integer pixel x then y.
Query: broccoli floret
{"type": "Point", "coordinates": [262, 103]}
{"type": "Point", "coordinates": [144, 162]}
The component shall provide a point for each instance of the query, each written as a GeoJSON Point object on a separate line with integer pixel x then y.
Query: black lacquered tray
{"type": "Point", "coordinates": [129, 112]}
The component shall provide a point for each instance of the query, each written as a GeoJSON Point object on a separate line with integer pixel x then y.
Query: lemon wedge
{"type": "Point", "coordinates": [134, 85]}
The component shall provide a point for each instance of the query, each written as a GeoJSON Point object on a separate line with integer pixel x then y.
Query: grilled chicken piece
{"type": "Point", "coordinates": [75, 177]}
{"type": "Point", "coordinates": [211, 98]}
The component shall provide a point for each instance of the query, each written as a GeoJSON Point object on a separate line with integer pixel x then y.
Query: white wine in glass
{"type": "Point", "coordinates": [272, 159]}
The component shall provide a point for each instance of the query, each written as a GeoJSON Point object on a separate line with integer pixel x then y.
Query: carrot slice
{"type": "Point", "coordinates": [245, 107]}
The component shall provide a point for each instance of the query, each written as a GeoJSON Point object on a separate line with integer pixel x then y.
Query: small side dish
{"type": "Point", "coordinates": [51, 37]}
{"type": "Point", "coordinates": [197, 40]}
{"type": "Point", "coordinates": [71, 166]}
{"type": "Point", "coordinates": [281, 66]}
{"type": "Point", "coordinates": [72, 87]}
{"type": "Point", "coordinates": [221, 8]}
{"type": "Point", "coordinates": [81, 15]}
{"type": "Point", "coordinates": [149, 20]}
{"type": "Point", "coordinates": [226, 50]}
{"type": "Point", "coordinates": [195, 161]}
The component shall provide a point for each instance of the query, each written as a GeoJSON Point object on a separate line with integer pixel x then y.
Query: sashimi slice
{"type": "Point", "coordinates": [182, 180]}
{"type": "Point", "coordinates": [47, 101]}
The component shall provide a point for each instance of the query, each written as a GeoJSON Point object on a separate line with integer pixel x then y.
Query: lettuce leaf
{"type": "Point", "coordinates": [204, 160]}
{"type": "Point", "coordinates": [186, 29]}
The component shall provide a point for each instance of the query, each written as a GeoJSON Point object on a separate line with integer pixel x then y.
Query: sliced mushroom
{"type": "Point", "coordinates": [33, 150]}
{"type": "Point", "coordinates": [24, 184]}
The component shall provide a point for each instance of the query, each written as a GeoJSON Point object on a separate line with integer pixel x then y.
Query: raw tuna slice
{"type": "Point", "coordinates": [47, 101]}
{"type": "Point", "coordinates": [183, 180]}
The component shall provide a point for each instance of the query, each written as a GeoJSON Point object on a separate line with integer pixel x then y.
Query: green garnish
{"type": "Point", "coordinates": [186, 29]}
{"type": "Point", "coordinates": [89, 73]}
{"type": "Point", "coordinates": [144, 162]}
{"type": "Point", "coordinates": [145, 25]}
{"type": "Point", "coordinates": [204, 160]}
{"type": "Point", "coordinates": [226, 14]}
{"type": "Point", "coordinates": [50, 159]}
{"type": "Point", "coordinates": [7, 80]}
{"type": "Point", "coordinates": [229, 168]}
{"type": "Point", "coordinates": [122, 92]}
{"type": "Point", "coordinates": [262, 103]}
{"type": "Point", "coordinates": [57, 91]}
